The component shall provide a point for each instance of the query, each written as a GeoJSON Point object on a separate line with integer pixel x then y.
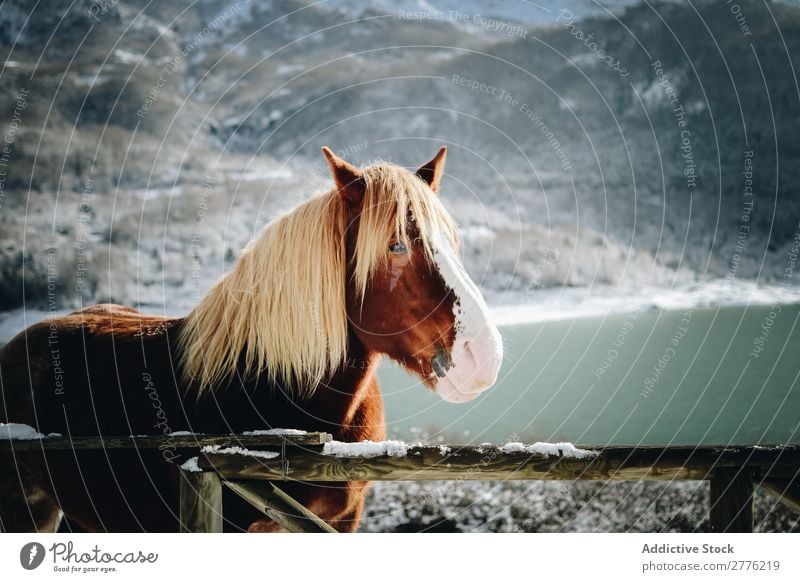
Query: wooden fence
{"type": "Point", "coordinates": [253, 466]}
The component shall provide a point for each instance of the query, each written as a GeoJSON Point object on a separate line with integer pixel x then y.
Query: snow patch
{"type": "Point", "coordinates": [365, 449]}
{"type": "Point", "coordinates": [512, 448]}
{"type": "Point", "coordinates": [22, 432]}
{"type": "Point", "coordinates": [191, 466]}
{"type": "Point", "coordinates": [275, 432]}
{"type": "Point", "coordinates": [549, 449]}
{"type": "Point", "coordinates": [129, 57]}
{"type": "Point", "coordinates": [289, 69]}
{"type": "Point", "coordinates": [220, 450]}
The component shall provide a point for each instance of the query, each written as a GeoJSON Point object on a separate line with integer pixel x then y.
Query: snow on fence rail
{"type": "Point", "coordinates": [253, 463]}
{"type": "Point", "coordinates": [20, 437]}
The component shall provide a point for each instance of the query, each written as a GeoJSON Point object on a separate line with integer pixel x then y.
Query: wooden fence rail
{"type": "Point", "coordinates": [176, 441]}
{"type": "Point", "coordinates": [252, 466]}
{"type": "Point", "coordinates": [425, 463]}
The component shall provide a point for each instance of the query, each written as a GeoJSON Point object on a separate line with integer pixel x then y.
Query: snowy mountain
{"type": "Point", "coordinates": [570, 164]}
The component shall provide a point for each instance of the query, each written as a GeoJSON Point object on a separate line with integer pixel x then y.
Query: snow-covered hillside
{"type": "Point", "coordinates": [563, 171]}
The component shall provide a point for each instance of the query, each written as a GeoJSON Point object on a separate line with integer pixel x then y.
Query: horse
{"type": "Point", "coordinates": [291, 336]}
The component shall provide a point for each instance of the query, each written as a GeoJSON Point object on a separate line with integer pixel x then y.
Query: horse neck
{"type": "Point", "coordinates": [341, 398]}
{"type": "Point", "coordinates": [333, 407]}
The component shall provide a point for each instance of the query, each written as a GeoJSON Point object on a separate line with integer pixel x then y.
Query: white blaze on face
{"type": "Point", "coordinates": [478, 348]}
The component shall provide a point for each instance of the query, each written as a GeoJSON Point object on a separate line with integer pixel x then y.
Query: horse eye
{"type": "Point", "coordinates": [397, 248]}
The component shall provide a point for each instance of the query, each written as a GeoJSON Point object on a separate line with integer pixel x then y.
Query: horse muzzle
{"type": "Point", "coordinates": [471, 367]}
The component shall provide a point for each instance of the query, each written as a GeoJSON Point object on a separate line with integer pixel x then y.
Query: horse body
{"type": "Point", "coordinates": [290, 338]}
{"type": "Point", "coordinates": [118, 376]}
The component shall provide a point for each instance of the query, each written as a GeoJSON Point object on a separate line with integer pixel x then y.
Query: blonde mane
{"type": "Point", "coordinates": [281, 311]}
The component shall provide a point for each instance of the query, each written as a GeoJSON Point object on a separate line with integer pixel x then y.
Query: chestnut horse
{"type": "Point", "coordinates": [289, 338]}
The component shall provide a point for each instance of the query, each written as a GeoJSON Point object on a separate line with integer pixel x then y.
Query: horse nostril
{"type": "Point", "coordinates": [441, 362]}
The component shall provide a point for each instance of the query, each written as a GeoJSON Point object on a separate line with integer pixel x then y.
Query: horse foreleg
{"type": "Point", "coordinates": [25, 505]}
{"type": "Point", "coordinates": [348, 522]}
{"type": "Point", "coordinates": [342, 508]}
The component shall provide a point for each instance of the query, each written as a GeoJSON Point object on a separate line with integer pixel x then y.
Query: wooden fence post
{"type": "Point", "coordinates": [200, 502]}
{"type": "Point", "coordinates": [731, 500]}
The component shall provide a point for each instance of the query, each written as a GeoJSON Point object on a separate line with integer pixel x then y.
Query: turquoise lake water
{"type": "Point", "coordinates": [711, 376]}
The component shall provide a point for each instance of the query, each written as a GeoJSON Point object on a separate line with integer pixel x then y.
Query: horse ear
{"type": "Point", "coordinates": [433, 171]}
{"type": "Point", "coordinates": [349, 179]}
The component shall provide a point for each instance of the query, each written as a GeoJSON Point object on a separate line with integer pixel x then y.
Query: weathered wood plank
{"type": "Point", "coordinates": [161, 441]}
{"type": "Point", "coordinates": [786, 490]}
{"type": "Point", "coordinates": [474, 463]}
{"type": "Point", "coordinates": [731, 500]}
{"type": "Point", "coordinates": [200, 502]}
{"type": "Point", "coordinates": [279, 506]}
